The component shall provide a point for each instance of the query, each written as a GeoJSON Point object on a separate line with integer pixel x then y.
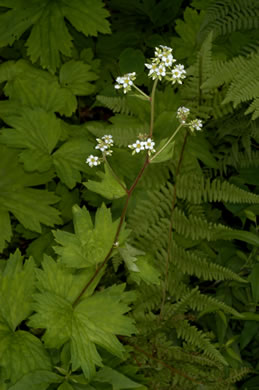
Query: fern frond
{"type": "Point", "coordinates": [224, 71]}
{"type": "Point", "coordinates": [149, 211]}
{"type": "Point", "coordinates": [197, 189]}
{"type": "Point", "coordinates": [182, 305]}
{"type": "Point", "coordinates": [155, 176]}
{"type": "Point", "coordinates": [190, 263]}
{"type": "Point", "coordinates": [198, 339]}
{"type": "Point", "coordinates": [117, 104]}
{"type": "Point", "coordinates": [237, 375]}
{"type": "Point", "coordinates": [195, 300]}
{"type": "Point", "coordinates": [198, 100]}
{"type": "Point", "coordinates": [254, 108]}
{"type": "Point", "coordinates": [196, 227]}
{"type": "Point", "coordinates": [242, 74]}
{"type": "Point", "coordinates": [227, 16]}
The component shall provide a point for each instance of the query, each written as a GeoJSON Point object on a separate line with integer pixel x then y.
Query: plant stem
{"type": "Point", "coordinates": [129, 193]}
{"type": "Point", "coordinates": [141, 92]}
{"type": "Point", "coordinates": [152, 108]}
{"type": "Point", "coordinates": [114, 174]}
{"type": "Point", "coordinates": [167, 143]}
{"type": "Point", "coordinates": [168, 257]}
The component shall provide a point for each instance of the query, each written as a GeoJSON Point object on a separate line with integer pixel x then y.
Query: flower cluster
{"type": "Point", "coordinates": [143, 145]}
{"type": "Point", "coordinates": [182, 114]}
{"type": "Point", "coordinates": [196, 124]}
{"type": "Point", "coordinates": [161, 66]}
{"type": "Point", "coordinates": [103, 145]}
{"type": "Point", "coordinates": [125, 82]}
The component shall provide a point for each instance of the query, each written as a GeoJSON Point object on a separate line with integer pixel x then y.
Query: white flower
{"type": "Point", "coordinates": [149, 144]}
{"type": "Point", "coordinates": [152, 69]}
{"type": "Point", "coordinates": [108, 140]}
{"type": "Point", "coordinates": [182, 114]}
{"type": "Point", "coordinates": [196, 124]}
{"type": "Point", "coordinates": [178, 74]}
{"type": "Point", "coordinates": [138, 146]}
{"type": "Point", "coordinates": [168, 59]}
{"type": "Point", "coordinates": [162, 50]}
{"type": "Point", "coordinates": [105, 143]}
{"type": "Point", "coordinates": [160, 71]}
{"type": "Point", "coordinates": [125, 81]}
{"type": "Point", "coordinates": [92, 160]}
{"type": "Point", "coordinates": [108, 152]}
{"type": "Point", "coordinates": [102, 147]}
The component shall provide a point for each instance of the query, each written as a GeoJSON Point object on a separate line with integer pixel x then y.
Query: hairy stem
{"type": "Point", "coordinates": [141, 92]}
{"type": "Point", "coordinates": [167, 143]}
{"type": "Point", "coordinates": [123, 214]}
{"type": "Point", "coordinates": [152, 108]}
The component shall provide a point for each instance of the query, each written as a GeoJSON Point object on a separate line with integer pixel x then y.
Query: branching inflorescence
{"type": "Point", "coordinates": [160, 67]}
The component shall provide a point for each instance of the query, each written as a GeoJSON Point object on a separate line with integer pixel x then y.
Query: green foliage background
{"type": "Point", "coordinates": [141, 323]}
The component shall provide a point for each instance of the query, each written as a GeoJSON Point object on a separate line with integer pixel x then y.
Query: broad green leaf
{"type": "Point", "coordinates": [233, 354]}
{"type": "Point", "coordinates": [89, 245]}
{"type": "Point", "coordinates": [20, 353]}
{"type": "Point", "coordinates": [76, 76]}
{"type": "Point", "coordinates": [140, 265]}
{"type": "Point", "coordinates": [94, 321]}
{"type": "Point", "coordinates": [147, 271]}
{"type": "Point", "coordinates": [5, 228]}
{"type": "Point", "coordinates": [129, 255]}
{"type": "Point", "coordinates": [131, 60]}
{"type": "Point", "coordinates": [58, 279]}
{"type": "Point", "coordinates": [115, 378]}
{"type": "Point", "coordinates": [165, 154]}
{"type": "Point", "coordinates": [16, 288]}
{"type": "Point", "coordinates": [248, 237]}
{"type": "Point", "coordinates": [70, 159]}
{"type": "Point", "coordinates": [65, 386]}
{"type": "Point", "coordinates": [67, 200]}
{"type": "Point", "coordinates": [37, 132]}
{"type": "Point", "coordinates": [36, 380]}
{"type": "Point", "coordinates": [186, 46]}
{"type": "Point", "coordinates": [199, 147]}
{"type": "Point", "coordinates": [166, 122]}
{"type": "Point", "coordinates": [40, 246]}
{"type": "Point", "coordinates": [49, 36]}
{"type": "Point", "coordinates": [248, 316]}
{"type": "Point", "coordinates": [254, 280]}
{"type": "Point", "coordinates": [108, 187]}
{"type": "Point", "coordinates": [30, 206]}
{"type": "Point", "coordinates": [249, 331]}
{"type": "Point", "coordinates": [33, 87]}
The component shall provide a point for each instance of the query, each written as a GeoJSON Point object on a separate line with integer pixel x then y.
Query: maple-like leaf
{"type": "Point", "coordinates": [108, 187]}
{"type": "Point", "coordinates": [30, 206]}
{"type": "Point", "coordinates": [16, 288]}
{"type": "Point", "coordinates": [90, 243]}
{"type": "Point", "coordinates": [49, 36]}
{"type": "Point", "coordinates": [32, 87]}
{"type": "Point", "coordinates": [94, 321]}
{"type": "Point", "coordinates": [20, 351]}
{"type": "Point", "coordinates": [37, 132]}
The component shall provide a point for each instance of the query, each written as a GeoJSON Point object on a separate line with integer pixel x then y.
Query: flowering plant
{"type": "Point", "coordinates": [161, 67]}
